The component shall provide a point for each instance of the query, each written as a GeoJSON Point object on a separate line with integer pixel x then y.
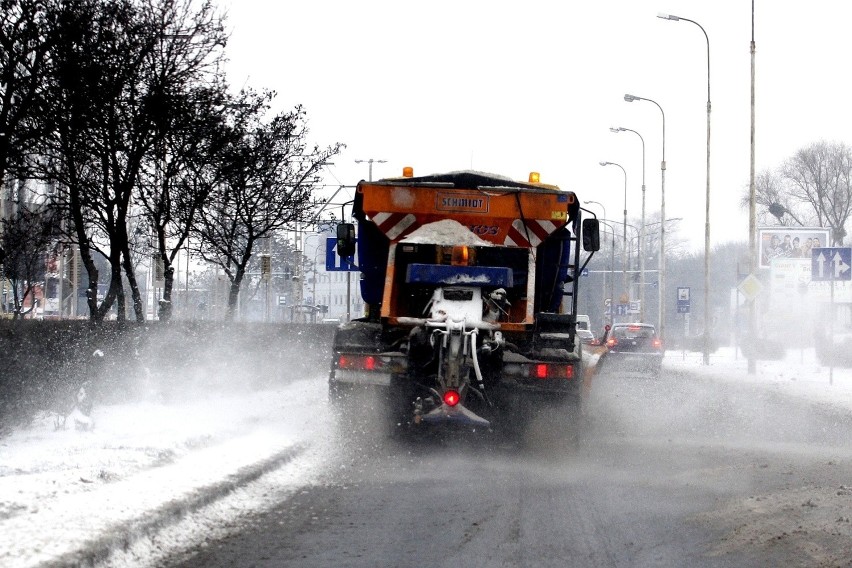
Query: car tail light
{"type": "Point", "coordinates": [552, 371]}
{"type": "Point", "coordinates": [611, 342]}
{"type": "Point", "coordinates": [656, 343]}
{"type": "Point", "coordinates": [451, 398]}
{"type": "Point", "coordinates": [359, 362]}
{"type": "Point", "coordinates": [595, 341]}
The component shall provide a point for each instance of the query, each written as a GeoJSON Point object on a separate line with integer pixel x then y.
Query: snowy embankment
{"type": "Point", "coordinates": [798, 374]}
{"type": "Point", "coordinates": [70, 497]}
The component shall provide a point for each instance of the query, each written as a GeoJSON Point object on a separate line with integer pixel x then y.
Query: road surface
{"type": "Point", "coordinates": [672, 471]}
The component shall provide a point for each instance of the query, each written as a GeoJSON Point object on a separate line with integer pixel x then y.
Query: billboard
{"type": "Point", "coordinates": [789, 242]}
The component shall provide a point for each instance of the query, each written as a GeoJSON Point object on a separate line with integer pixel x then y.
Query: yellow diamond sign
{"type": "Point", "coordinates": [750, 287]}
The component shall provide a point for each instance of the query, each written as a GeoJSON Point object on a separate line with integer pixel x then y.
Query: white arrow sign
{"type": "Point", "coordinates": [839, 266]}
{"type": "Point", "coordinates": [821, 263]}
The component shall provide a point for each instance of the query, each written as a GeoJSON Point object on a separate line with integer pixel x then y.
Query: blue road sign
{"type": "Point", "coordinates": [831, 264]}
{"type": "Point", "coordinates": [332, 258]}
{"type": "Point", "coordinates": [683, 299]}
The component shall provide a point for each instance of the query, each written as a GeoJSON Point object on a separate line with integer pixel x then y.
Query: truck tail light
{"type": "Point", "coordinates": [359, 362]}
{"type": "Point", "coordinates": [451, 398]}
{"type": "Point", "coordinates": [551, 371]}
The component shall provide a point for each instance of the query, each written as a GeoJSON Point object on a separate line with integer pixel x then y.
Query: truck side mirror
{"type": "Point", "coordinates": [591, 235]}
{"type": "Point", "coordinates": [346, 239]}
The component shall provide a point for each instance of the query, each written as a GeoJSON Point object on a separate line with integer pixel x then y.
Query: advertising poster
{"type": "Point", "coordinates": [789, 242]}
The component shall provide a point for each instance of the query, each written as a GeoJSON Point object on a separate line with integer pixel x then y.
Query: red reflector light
{"type": "Point", "coordinates": [451, 398]}
{"type": "Point", "coordinates": [358, 362]}
{"type": "Point", "coordinates": [552, 371]}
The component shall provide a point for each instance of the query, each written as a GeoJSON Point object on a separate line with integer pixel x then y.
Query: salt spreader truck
{"type": "Point", "coordinates": [470, 283]}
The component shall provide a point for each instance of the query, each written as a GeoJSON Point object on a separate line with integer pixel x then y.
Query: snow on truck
{"type": "Point", "coordinates": [470, 286]}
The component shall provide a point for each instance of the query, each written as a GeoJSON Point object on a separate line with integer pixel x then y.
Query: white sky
{"type": "Point", "coordinates": [510, 87]}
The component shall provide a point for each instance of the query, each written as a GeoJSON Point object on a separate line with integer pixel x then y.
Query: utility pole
{"type": "Point", "coordinates": [752, 216]}
{"type": "Point", "coordinates": [370, 162]}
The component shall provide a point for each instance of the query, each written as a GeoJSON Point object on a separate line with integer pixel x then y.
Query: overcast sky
{"type": "Point", "coordinates": [513, 87]}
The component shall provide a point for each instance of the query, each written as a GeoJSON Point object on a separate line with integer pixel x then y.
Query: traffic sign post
{"type": "Point", "coordinates": [683, 300]}
{"type": "Point", "coordinates": [831, 264]}
{"type": "Point", "coordinates": [346, 264]}
{"type": "Point", "coordinates": [683, 304]}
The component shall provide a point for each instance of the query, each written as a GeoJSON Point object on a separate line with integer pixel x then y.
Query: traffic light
{"type": "Point", "coordinates": [265, 267]}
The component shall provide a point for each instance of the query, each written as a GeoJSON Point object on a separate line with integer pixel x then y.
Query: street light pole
{"type": "Point", "coordinates": [642, 227]}
{"type": "Point", "coordinates": [624, 230]}
{"type": "Point", "coordinates": [611, 262]}
{"type": "Point", "coordinates": [752, 214]}
{"type": "Point", "coordinates": [611, 271]}
{"type": "Point", "coordinates": [370, 161]}
{"type": "Point", "coordinates": [706, 341]}
{"type": "Point", "coordinates": [662, 260]}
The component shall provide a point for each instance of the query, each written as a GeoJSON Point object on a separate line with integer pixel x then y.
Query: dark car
{"type": "Point", "coordinates": [633, 347]}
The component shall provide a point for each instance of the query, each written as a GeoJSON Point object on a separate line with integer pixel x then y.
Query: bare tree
{"type": "Point", "coordinates": [775, 203]}
{"type": "Point", "coordinates": [24, 65]}
{"type": "Point", "coordinates": [26, 237]}
{"type": "Point", "coordinates": [268, 174]}
{"type": "Point", "coordinates": [117, 64]}
{"type": "Point", "coordinates": [173, 189]}
{"type": "Point", "coordinates": [820, 176]}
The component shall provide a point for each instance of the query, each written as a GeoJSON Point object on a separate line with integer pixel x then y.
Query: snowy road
{"type": "Point", "coordinates": [703, 467]}
{"type": "Point", "coordinates": [685, 470]}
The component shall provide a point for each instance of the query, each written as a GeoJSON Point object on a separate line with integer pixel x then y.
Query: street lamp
{"type": "Point", "coordinates": [752, 211]}
{"type": "Point", "coordinates": [624, 230]}
{"type": "Point", "coordinates": [611, 261]}
{"type": "Point", "coordinates": [707, 199]}
{"type": "Point", "coordinates": [642, 225]}
{"type": "Point", "coordinates": [662, 260]}
{"type": "Point", "coordinates": [370, 162]}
